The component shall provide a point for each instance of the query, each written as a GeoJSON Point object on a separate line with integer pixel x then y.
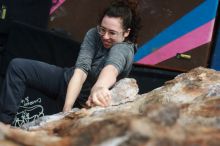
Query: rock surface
{"type": "Point", "coordinates": [183, 112]}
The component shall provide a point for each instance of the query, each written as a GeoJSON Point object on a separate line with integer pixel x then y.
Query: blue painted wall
{"type": "Point", "coordinates": [215, 60]}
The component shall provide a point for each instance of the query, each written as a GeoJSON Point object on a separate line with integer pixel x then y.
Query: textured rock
{"type": "Point", "coordinates": [124, 91]}
{"type": "Point", "coordinates": [185, 111]}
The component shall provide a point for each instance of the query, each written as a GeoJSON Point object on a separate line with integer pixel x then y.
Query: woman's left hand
{"type": "Point", "coordinates": [99, 96]}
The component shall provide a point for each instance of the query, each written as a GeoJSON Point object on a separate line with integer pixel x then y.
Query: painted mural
{"type": "Point", "coordinates": [175, 34]}
{"type": "Point", "coordinates": [191, 31]}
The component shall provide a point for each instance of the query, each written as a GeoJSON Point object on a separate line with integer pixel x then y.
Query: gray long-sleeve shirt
{"type": "Point", "coordinates": [93, 57]}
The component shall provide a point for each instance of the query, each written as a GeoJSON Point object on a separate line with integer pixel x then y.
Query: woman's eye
{"type": "Point", "coordinates": [112, 33]}
{"type": "Point", "coordinates": [103, 30]}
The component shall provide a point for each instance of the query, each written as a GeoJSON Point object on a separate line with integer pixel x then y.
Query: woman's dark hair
{"type": "Point", "coordinates": [127, 11]}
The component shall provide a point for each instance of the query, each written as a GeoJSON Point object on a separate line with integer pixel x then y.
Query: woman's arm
{"type": "Point", "coordinates": [83, 65]}
{"type": "Point", "coordinates": [100, 94]}
{"type": "Point", "coordinates": [74, 88]}
{"type": "Point", "coordinates": [119, 59]}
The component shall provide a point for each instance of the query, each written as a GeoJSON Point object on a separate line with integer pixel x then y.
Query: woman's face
{"type": "Point", "coordinates": [111, 31]}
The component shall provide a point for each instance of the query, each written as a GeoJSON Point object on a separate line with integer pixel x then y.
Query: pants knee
{"type": "Point", "coordinates": [16, 64]}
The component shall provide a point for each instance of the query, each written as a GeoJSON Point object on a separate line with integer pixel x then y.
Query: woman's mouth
{"type": "Point", "coordinates": [106, 44]}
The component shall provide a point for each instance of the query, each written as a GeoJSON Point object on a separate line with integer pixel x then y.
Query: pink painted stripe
{"type": "Point", "coordinates": [53, 8]}
{"type": "Point", "coordinates": [189, 41]}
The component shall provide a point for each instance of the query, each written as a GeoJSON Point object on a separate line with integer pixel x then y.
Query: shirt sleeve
{"type": "Point", "coordinates": [87, 51]}
{"type": "Point", "coordinates": [119, 56]}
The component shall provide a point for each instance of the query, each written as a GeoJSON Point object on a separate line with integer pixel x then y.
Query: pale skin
{"type": "Point", "coordinates": [100, 94]}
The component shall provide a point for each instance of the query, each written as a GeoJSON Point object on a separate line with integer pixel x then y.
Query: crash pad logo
{"type": "Point", "coordinates": [28, 111]}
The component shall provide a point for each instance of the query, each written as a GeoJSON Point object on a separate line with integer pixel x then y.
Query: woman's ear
{"type": "Point", "coordinates": [127, 32]}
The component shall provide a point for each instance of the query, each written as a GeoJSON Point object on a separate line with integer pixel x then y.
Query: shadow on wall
{"type": "Point", "coordinates": [149, 78]}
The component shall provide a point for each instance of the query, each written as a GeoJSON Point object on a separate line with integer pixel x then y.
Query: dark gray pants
{"type": "Point", "coordinates": [23, 73]}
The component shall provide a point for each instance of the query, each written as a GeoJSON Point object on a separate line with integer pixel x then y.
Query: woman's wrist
{"type": "Point", "coordinates": [67, 108]}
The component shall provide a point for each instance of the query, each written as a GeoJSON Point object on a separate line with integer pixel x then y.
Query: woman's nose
{"type": "Point", "coordinates": [106, 35]}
